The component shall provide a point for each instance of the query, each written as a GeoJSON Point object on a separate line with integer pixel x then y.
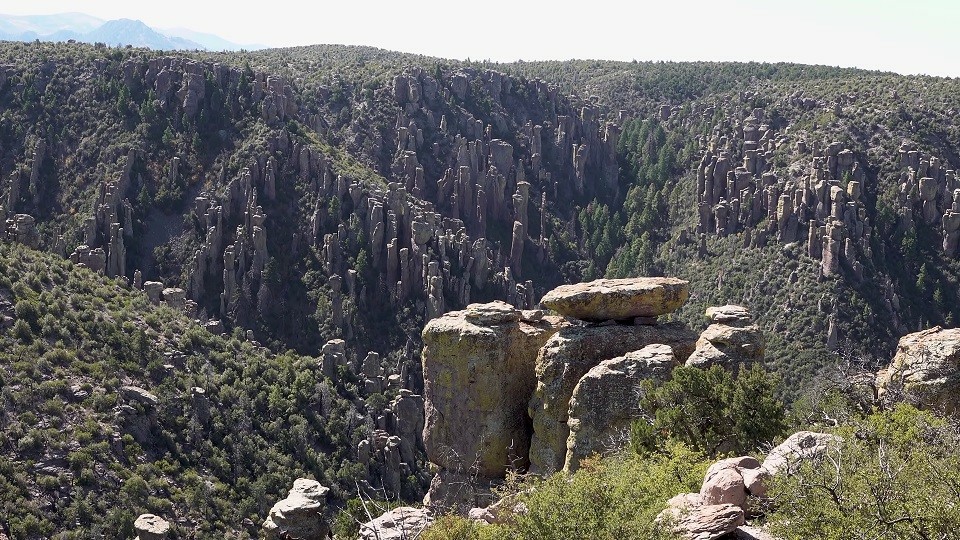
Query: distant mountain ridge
{"type": "Point", "coordinates": [89, 29]}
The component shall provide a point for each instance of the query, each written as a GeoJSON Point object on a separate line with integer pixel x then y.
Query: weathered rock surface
{"type": "Point", "coordinates": [606, 401]}
{"type": "Point", "coordinates": [732, 480]}
{"type": "Point", "coordinates": [730, 346]}
{"type": "Point", "coordinates": [398, 524]}
{"type": "Point", "coordinates": [729, 314]}
{"type": "Point", "coordinates": [151, 527]}
{"type": "Point", "coordinates": [565, 359]}
{"type": "Point", "coordinates": [478, 368]}
{"type": "Point", "coordinates": [605, 299]}
{"type": "Point", "coordinates": [300, 515]}
{"type": "Point", "coordinates": [693, 520]}
{"type": "Point", "coordinates": [801, 446]}
{"type": "Point", "coordinates": [925, 370]}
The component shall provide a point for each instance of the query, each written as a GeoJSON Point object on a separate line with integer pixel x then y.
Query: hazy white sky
{"type": "Point", "coordinates": [907, 36]}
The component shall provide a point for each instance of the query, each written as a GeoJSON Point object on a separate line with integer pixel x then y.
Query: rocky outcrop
{"type": "Point", "coordinates": [300, 515]}
{"type": "Point", "coordinates": [151, 527]}
{"type": "Point", "coordinates": [478, 368]}
{"type": "Point", "coordinates": [398, 524]}
{"type": "Point", "coordinates": [606, 401]}
{"type": "Point", "coordinates": [618, 299]}
{"type": "Point", "coordinates": [797, 448]}
{"type": "Point", "coordinates": [730, 341]}
{"type": "Point", "coordinates": [566, 358]}
{"type": "Point", "coordinates": [925, 370]}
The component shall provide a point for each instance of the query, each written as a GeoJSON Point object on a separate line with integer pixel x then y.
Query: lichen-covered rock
{"type": "Point", "coordinates": [151, 527]}
{"type": "Point", "coordinates": [605, 299]}
{"type": "Point", "coordinates": [398, 524]}
{"type": "Point", "coordinates": [606, 401]}
{"type": "Point", "coordinates": [300, 515]}
{"type": "Point", "coordinates": [567, 357]}
{"type": "Point", "coordinates": [925, 370]}
{"type": "Point", "coordinates": [729, 346]}
{"type": "Point", "coordinates": [478, 368]}
{"type": "Point", "coordinates": [799, 447]}
{"type": "Point", "coordinates": [729, 314]}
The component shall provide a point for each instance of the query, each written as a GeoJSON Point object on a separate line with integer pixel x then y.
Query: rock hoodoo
{"type": "Point", "coordinates": [731, 341]}
{"type": "Point", "coordinates": [300, 515]}
{"type": "Point", "coordinates": [575, 349]}
{"type": "Point", "coordinates": [478, 368]}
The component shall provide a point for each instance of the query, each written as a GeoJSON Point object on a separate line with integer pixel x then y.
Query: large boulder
{"type": "Point", "coordinates": [151, 527]}
{"type": "Point", "coordinates": [732, 347]}
{"type": "Point", "coordinates": [732, 480]}
{"type": "Point", "coordinates": [605, 299]}
{"type": "Point", "coordinates": [300, 515]}
{"type": "Point", "coordinates": [398, 524]}
{"type": "Point", "coordinates": [565, 359]}
{"type": "Point", "coordinates": [606, 401]}
{"type": "Point", "coordinates": [925, 370]}
{"type": "Point", "coordinates": [478, 369]}
{"type": "Point", "coordinates": [799, 447]}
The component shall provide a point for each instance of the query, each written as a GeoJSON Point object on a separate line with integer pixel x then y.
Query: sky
{"type": "Point", "coordinates": [905, 36]}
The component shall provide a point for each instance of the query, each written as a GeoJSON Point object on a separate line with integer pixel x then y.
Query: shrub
{"type": "Point", "coordinates": [712, 410]}
{"type": "Point", "coordinates": [896, 475]}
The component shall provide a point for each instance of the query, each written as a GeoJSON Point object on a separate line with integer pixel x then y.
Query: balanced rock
{"type": "Point", "coordinates": [478, 369]}
{"type": "Point", "coordinates": [398, 524]}
{"type": "Point", "coordinates": [565, 359]}
{"type": "Point", "coordinates": [151, 527]}
{"type": "Point", "coordinates": [605, 299]}
{"type": "Point", "coordinates": [729, 314]}
{"type": "Point", "coordinates": [799, 447]}
{"type": "Point", "coordinates": [605, 401]}
{"type": "Point", "coordinates": [300, 515]}
{"type": "Point", "coordinates": [925, 370]}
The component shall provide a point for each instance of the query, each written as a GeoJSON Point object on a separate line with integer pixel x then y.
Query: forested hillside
{"type": "Point", "coordinates": [270, 204]}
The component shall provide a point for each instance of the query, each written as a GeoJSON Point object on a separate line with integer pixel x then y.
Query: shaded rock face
{"type": "Point", "coordinates": [801, 446]}
{"type": "Point", "coordinates": [459, 491]}
{"type": "Point", "coordinates": [565, 359]}
{"type": "Point", "coordinates": [151, 527]}
{"type": "Point", "coordinates": [300, 515]}
{"type": "Point", "coordinates": [606, 401]}
{"type": "Point", "coordinates": [605, 299]}
{"type": "Point", "coordinates": [397, 524]}
{"type": "Point", "coordinates": [478, 368]}
{"type": "Point", "coordinates": [925, 370]}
